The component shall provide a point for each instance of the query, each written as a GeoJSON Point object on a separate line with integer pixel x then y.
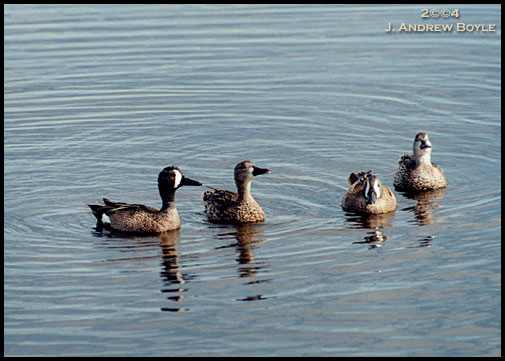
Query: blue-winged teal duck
{"type": "Point", "coordinates": [229, 207]}
{"type": "Point", "coordinates": [368, 195]}
{"type": "Point", "coordinates": [417, 172]}
{"type": "Point", "coordinates": [143, 219]}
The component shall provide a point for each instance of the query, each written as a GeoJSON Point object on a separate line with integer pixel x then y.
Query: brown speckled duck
{"type": "Point", "coordinates": [229, 207]}
{"type": "Point", "coordinates": [367, 195]}
{"type": "Point", "coordinates": [417, 173]}
{"type": "Point", "coordinates": [143, 219]}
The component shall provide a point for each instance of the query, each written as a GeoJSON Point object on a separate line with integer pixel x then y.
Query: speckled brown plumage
{"type": "Point", "coordinates": [139, 218]}
{"type": "Point", "coordinates": [357, 200]}
{"type": "Point", "coordinates": [224, 206]}
{"type": "Point", "coordinates": [417, 173]}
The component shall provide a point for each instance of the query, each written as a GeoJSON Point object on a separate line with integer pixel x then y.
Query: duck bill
{"type": "Point", "coordinates": [372, 197]}
{"type": "Point", "coordinates": [425, 145]}
{"type": "Point", "coordinates": [189, 182]}
{"type": "Point", "coordinates": [259, 171]}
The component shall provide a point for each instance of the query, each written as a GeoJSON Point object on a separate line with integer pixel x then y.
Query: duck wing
{"type": "Point", "coordinates": [116, 206]}
{"type": "Point", "coordinates": [406, 162]}
{"type": "Point", "coordinates": [219, 203]}
{"type": "Point", "coordinates": [220, 198]}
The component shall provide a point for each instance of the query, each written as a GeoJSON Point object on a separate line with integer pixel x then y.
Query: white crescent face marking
{"type": "Point", "coordinates": [367, 187]}
{"type": "Point", "coordinates": [178, 178]}
{"type": "Point", "coordinates": [376, 188]}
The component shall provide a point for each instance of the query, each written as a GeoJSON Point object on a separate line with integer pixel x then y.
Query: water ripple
{"type": "Point", "coordinates": [99, 99]}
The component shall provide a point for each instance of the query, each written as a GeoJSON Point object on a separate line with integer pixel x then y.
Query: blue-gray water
{"type": "Point", "coordinates": [99, 98]}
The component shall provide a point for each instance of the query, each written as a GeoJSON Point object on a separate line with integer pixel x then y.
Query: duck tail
{"type": "Point", "coordinates": [96, 210]}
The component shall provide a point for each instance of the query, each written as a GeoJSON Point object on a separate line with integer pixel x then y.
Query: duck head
{"type": "Point", "coordinates": [422, 148]}
{"type": "Point", "coordinates": [245, 172]}
{"type": "Point", "coordinates": [171, 178]}
{"type": "Point", "coordinates": [372, 189]}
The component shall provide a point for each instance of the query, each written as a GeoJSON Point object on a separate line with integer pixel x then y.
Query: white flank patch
{"type": "Point", "coordinates": [178, 178]}
{"type": "Point", "coordinates": [105, 219]}
{"type": "Point", "coordinates": [376, 188]}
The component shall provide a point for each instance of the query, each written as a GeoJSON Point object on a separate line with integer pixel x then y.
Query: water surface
{"type": "Point", "coordinates": [99, 98]}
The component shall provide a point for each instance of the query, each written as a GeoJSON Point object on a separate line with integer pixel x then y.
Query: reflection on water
{"type": "Point", "coordinates": [424, 242]}
{"type": "Point", "coordinates": [171, 273]}
{"type": "Point", "coordinates": [375, 239]}
{"type": "Point", "coordinates": [147, 246]}
{"type": "Point", "coordinates": [423, 208]}
{"type": "Point", "coordinates": [253, 298]}
{"type": "Point", "coordinates": [246, 235]}
{"type": "Point", "coordinates": [369, 221]}
{"type": "Point", "coordinates": [375, 222]}
{"type": "Point", "coordinates": [423, 212]}
{"type": "Point", "coordinates": [107, 95]}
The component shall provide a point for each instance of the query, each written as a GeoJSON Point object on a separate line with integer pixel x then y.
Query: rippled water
{"type": "Point", "coordinates": [99, 98]}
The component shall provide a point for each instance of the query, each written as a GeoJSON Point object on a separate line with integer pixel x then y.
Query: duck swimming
{"type": "Point", "coordinates": [229, 207]}
{"type": "Point", "coordinates": [143, 219]}
{"type": "Point", "coordinates": [367, 195]}
{"type": "Point", "coordinates": [417, 172]}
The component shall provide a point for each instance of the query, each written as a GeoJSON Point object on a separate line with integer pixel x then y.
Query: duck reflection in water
{"type": "Point", "coordinates": [375, 239]}
{"type": "Point", "coordinates": [375, 223]}
{"type": "Point", "coordinates": [423, 210]}
{"type": "Point", "coordinates": [246, 235]}
{"type": "Point", "coordinates": [138, 245]}
{"type": "Point", "coordinates": [171, 269]}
